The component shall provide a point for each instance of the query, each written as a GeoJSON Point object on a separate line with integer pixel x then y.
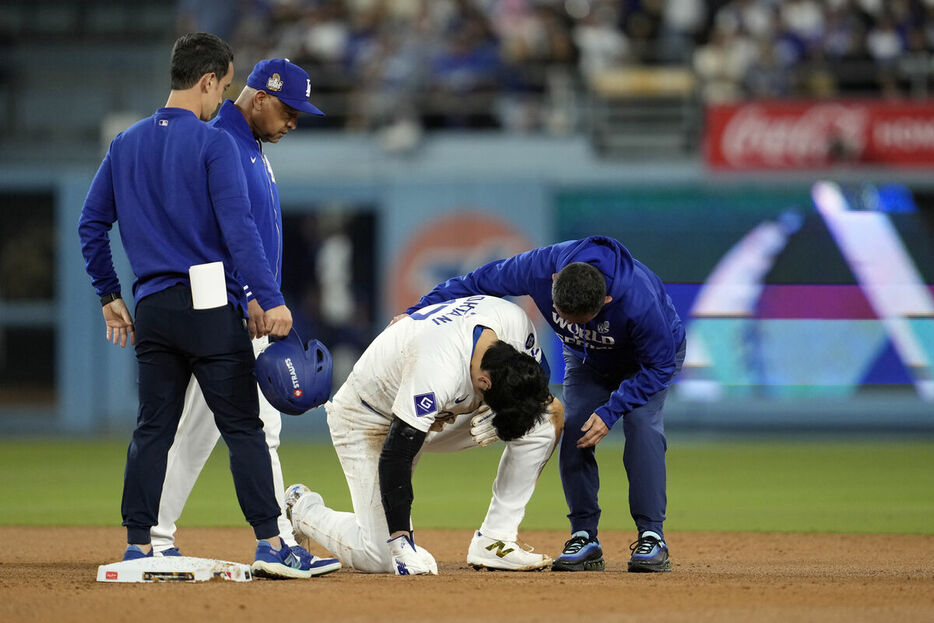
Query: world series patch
{"type": "Point", "coordinates": [425, 404]}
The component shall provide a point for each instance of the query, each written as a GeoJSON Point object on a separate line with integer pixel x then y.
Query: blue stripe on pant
{"type": "Point", "coordinates": [174, 341]}
{"type": "Point", "coordinates": [643, 457]}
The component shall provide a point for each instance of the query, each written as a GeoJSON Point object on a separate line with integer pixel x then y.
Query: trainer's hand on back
{"type": "Point", "coordinates": [594, 430]}
{"type": "Point", "coordinates": [119, 323]}
{"type": "Point", "coordinates": [278, 321]}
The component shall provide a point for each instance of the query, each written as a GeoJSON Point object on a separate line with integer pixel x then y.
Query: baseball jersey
{"type": "Point", "coordinates": [418, 369]}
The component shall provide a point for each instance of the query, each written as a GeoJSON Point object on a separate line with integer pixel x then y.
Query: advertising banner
{"type": "Point", "coordinates": [787, 135]}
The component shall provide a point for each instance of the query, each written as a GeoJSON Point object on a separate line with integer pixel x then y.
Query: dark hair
{"type": "Point", "coordinates": [579, 289]}
{"type": "Point", "coordinates": [519, 393]}
{"type": "Point", "coordinates": [198, 53]}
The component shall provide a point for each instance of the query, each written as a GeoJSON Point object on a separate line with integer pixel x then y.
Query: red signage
{"type": "Point", "coordinates": [776, 134]}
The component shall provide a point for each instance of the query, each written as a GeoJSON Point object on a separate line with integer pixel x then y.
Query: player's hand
{"type": "Point", "coordinates": [257, 321]}
{"type": "Point", "coordinates": [481, 427]}
{"type": "Point", "coordinates": [410, 559]}
{"type": "Point", "coordinates": [119, 323]}
{"type": "Point", "coordinates": [278, 321]}
{"type": "Point", "coordinates": [396, 319]}
{"type": "Point", "coordinates": [594, 430]}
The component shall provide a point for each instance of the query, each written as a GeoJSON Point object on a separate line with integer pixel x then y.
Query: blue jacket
{"type": "Point", "coordinates": [177, 188]}
{"type": "Point", "coordinates": [260, 184]}
{"type": "Point", "coordinates": [634, 339]}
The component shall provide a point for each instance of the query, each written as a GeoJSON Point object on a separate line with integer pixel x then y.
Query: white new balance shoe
{"type": "Point", "coordinates": [487, 553]}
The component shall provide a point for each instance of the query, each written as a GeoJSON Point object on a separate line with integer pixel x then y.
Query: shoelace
{"type": "Point", "coordinates": [643, 546]}
{"type": "Point", "coordinates": [575, 545]}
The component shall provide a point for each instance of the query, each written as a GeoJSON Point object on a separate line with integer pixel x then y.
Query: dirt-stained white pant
{"type": "Point", "coordinates": [195, 439]}
{"type": "Point", "coordinates": [359, 538]}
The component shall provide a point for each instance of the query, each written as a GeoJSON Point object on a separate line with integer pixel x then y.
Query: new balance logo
{"type": "Point", "coordinates": [500, 552]}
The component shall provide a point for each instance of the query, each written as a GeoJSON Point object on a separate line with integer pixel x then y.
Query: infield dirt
{"type": "Point", "coordinates": [48, 574]}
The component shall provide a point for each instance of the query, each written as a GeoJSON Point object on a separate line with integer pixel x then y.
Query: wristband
{"type": "Point", "coordinates": [110, 298]}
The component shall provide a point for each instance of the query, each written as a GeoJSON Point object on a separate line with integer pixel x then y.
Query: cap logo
{"type": "Point", "coordinates": [307, 88]}
{"type": "Point", "coordinates": [274, 83]}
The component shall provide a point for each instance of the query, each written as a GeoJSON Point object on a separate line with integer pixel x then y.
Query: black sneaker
{"type": "Point", "coordinates": [649, 555]}
{"type": "Point", "coordinates": [581, 553]}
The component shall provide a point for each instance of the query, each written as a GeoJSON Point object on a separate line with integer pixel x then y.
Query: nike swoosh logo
{"type": "Point", "coordinates": [459, 400]}
{"type": "Point", "coordinates": [253, 159]}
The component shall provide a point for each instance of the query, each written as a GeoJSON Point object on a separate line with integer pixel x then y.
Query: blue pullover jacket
{"type": "Point", "coordinates": [177, 187]}
{"type": "Point", "coordinates": [260, 185]}
{"type": "Point", "coordinates": [634, 339]}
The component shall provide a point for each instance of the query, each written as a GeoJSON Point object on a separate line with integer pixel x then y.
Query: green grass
{"type": "Point", "coordinates": [724, 486]}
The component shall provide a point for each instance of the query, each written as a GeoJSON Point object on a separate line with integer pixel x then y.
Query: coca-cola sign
{"type": "Point", "coordinates": [803, 135]}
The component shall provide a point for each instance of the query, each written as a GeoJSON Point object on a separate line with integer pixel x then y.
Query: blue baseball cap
{"type": "Point", "coordinates": [286, 80]}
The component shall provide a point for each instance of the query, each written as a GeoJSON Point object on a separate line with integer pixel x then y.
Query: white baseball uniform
{"type": "Point", "coordinates": [418, 369]}
{"type": "Point", "coordinates": [195, 439]}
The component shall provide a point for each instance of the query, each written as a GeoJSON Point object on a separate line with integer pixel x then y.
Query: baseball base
{"type": "Point", "coordinates": [174, 569]}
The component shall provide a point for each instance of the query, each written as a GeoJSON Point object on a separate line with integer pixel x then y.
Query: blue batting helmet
{"type": "Point", "coordinates": [294, 377]}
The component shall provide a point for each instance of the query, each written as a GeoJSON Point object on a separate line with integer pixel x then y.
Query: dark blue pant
{"type": "Point", "coordinates": [174, 341]}
{"type": "Point", "coordinates": [644, 455]}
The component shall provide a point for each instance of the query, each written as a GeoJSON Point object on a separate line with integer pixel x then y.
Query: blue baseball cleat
{"type": "Point", "coordinates": [581, 553]}
{"type": "Point", "coordinates": [649, 555]}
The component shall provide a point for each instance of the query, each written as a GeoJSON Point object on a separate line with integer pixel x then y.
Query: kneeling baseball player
{"type": "Point", "coordinates": [454, 376]}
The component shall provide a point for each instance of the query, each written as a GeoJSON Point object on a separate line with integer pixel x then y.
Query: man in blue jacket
{"type": "Point", "coordinates": [623, 345]}
{"type": "Point", "coordinates": [265, 111]}
{"type": "Point", "coordinates": [177, 188]}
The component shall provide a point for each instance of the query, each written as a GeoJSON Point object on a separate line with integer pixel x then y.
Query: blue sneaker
{"type": "Point", "coordinates": [171, 552]}
{"type": "Point", "coordinates": [581, 553]}
{"type": "Point", "coordinates": [318, 566]}
{"type": "Point", "coordinates": [649, 555]}
{"type": "Point", "coordinates": [133, 552]}
{"type": "Point", "coordinates": [286, 562]}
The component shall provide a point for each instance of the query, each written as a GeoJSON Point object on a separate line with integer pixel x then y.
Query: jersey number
{"type": "Point", "coordinates": [433, 310]}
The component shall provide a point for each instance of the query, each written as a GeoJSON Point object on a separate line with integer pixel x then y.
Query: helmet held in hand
{"type": "Point", "coordinates": [294, 377]}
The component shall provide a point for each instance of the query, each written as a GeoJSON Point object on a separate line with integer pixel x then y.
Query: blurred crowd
{"type": "Point", "coordinates": [515, 64]}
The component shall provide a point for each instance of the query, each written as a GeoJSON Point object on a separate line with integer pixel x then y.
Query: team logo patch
{"type": "Point", "coordinates": [604, 327]}
{"type": "Point", "coordinates": [425, 404]}
{"type": "Point", "coordinates": [530, 341]}
{"type": "Point", "coordinates": [274, 83]}
{"type": "Point", "coordinates": [163, 122]}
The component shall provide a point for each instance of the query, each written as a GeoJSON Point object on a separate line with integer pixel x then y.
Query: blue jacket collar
{"type": "Point", "coordinates": [231, 119]}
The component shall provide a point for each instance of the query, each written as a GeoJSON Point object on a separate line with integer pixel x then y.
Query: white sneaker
{"type": "Point", "coordinates": [490, 553]}
{"type": "Point", "coordinates": [293, 494]}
